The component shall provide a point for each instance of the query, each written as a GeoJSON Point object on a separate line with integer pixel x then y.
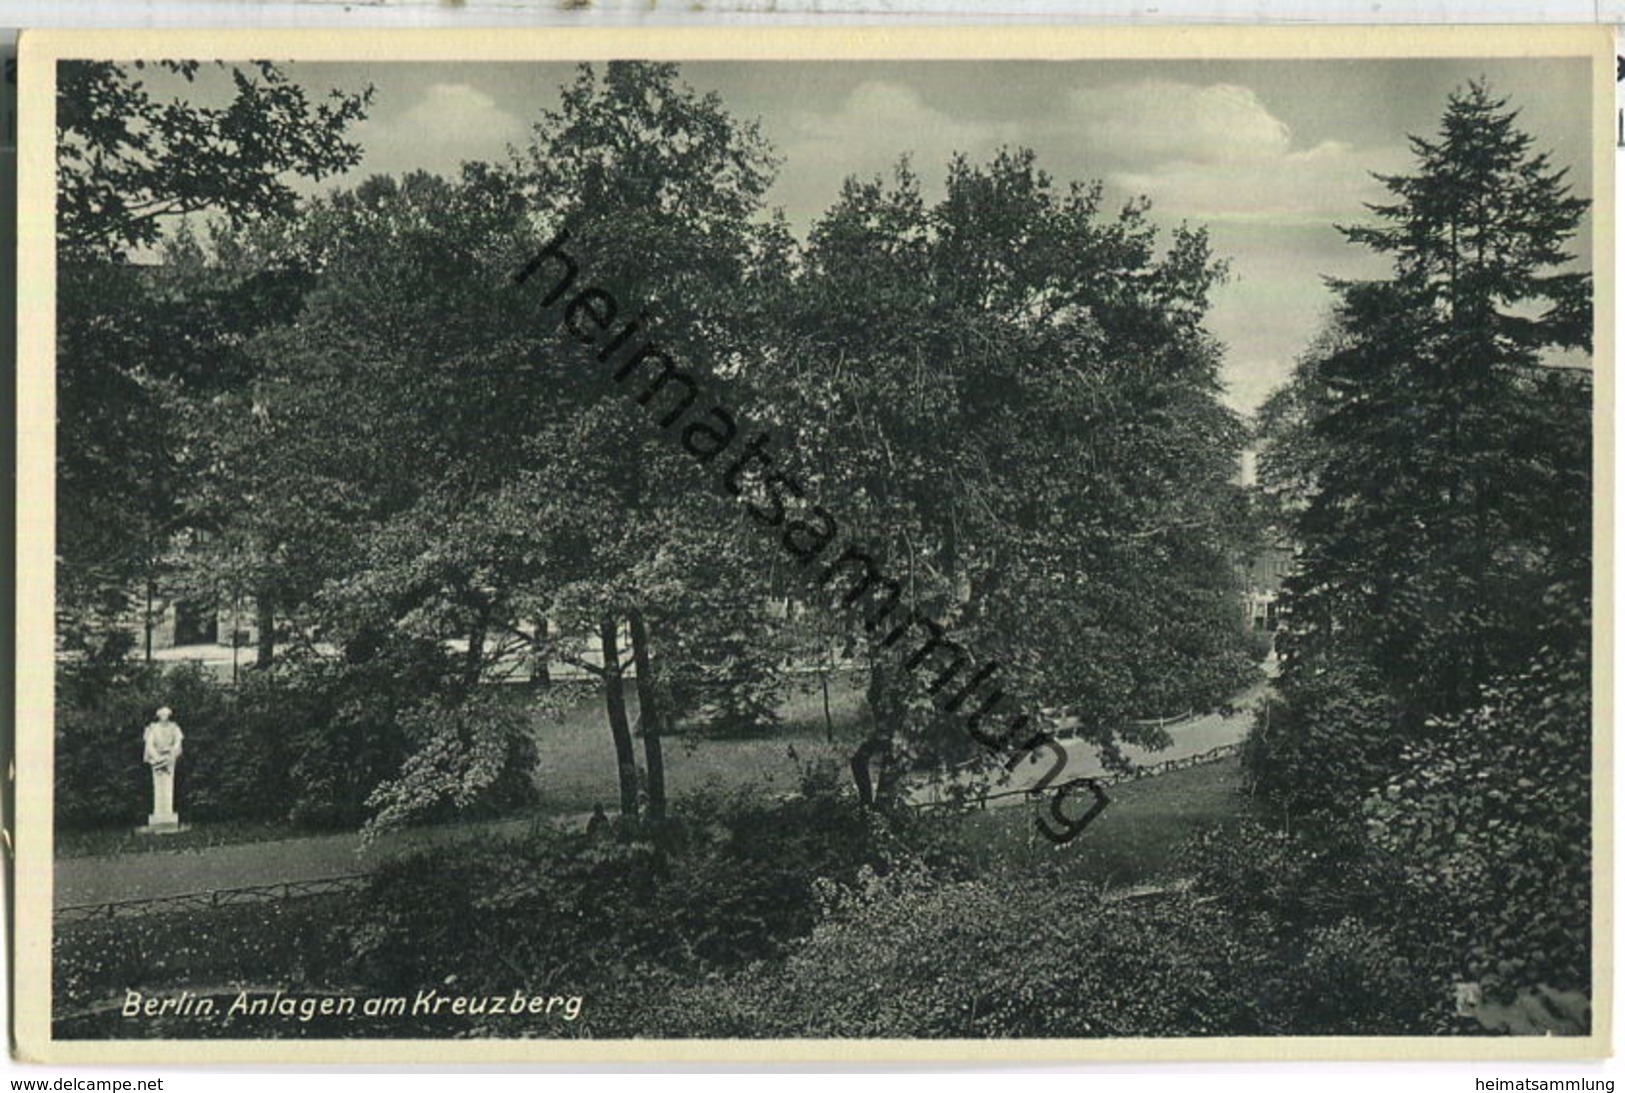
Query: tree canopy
{"type": "Point", "coordinates": [126, 161]}
{"type": "Point", "coordinates": [1436, 444]}
{"type": "Point", "coordinates": [139, 347]}
{"type": "Point", "coordinates": [1011, 397]}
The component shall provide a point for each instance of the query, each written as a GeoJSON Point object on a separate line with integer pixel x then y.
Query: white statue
{"type": "Point", "coordinates": [162, 751]}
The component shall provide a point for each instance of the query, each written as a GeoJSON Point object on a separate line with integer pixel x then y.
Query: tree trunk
{"type": "Point", "coordinates": [151, 595]}
{"type": "Point", "coordinates": [826, 665]}
{"type": "Point", "coordinates": [860, 773]}
{"type": "Point", "coordinates": [265, 624]}
{"type": "Point", "coordinates": [652, 719]}
{"type": "Point", "coordinates": [886, 697]}
{"type": "Point", "coordinates": [538, 665]}
{"type": "Point", "coordinates": [615, 706]}
{"type": "Point", "coordinates": [889, 780]}
{"type": "Point", "coordinates": [476, 655]}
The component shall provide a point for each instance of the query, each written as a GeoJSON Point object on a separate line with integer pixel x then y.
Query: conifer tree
{"type": "Point", "coordinates": [1447, 541]}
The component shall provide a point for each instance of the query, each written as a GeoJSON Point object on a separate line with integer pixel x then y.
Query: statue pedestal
{"type": "Point", "coordinates": [162, 820]}
{"type": "Point", "coordinates": [161, 825]}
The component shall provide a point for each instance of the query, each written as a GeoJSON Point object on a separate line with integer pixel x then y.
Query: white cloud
{"type": "Point", "coordinates": [1204, 152]}
{"type": "Point", "coordinates": [1163, 119]}
{"type": "Point", "coordinates": [1216, 153]}
{"type": "Point", "coordinates": [874, 125]}
{"type": "Point", "coordinates": [1325, 183]}
{"type": "Point", "coordinates": [893, 116]}
{"type": "Point", "coordinates": [456, 111]}
{"type": "Point", "coordinates": [450, 123]}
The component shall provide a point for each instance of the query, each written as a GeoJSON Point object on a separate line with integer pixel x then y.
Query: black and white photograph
{"type": "Point", "coordinates": [1062, 543]}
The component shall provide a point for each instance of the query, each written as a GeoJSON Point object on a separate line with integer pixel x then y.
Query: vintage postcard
{"type": "Point", "coordinates": [814, 545]}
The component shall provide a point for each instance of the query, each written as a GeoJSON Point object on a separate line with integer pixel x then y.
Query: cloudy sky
{"type": "Point", "coordinates": [1268, 154]}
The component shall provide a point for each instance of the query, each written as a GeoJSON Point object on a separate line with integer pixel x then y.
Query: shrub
{"type": "Point", "coordinates": [347, 733]}
{"type": "Point", "coordinates": [231, 768]}
{"type": "Point", "coordinates": [1258, 644]}
{"type": "Point", "coordinates": [1256, 947]}
{"type": "Point", "coordinates": [472, 759]}
{"type": "Point", "coordinates": [1490, 823]}
{"type": "Point", "coordinates": [1351, 953]}
{"type": "Point", "coordinates": [1334, 738]}
{"type": "Point", "coordinates": [918, 956]}
{"type": "Point", "coordinates": [727, 881]}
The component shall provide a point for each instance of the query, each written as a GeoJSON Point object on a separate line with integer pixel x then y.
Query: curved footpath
{"type": "Point", "coordinates": [147, 875]}
{"type": "Point", "coordinates": [1187, 739]}
{"type": "Point", "coordinates": [151, 874]}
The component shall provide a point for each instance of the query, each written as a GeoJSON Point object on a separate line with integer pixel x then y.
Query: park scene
{"type": "Point", "coordinates": [783, 550]}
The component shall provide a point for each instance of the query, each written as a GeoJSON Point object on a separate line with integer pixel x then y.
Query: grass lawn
{"type": "Point", "coordinates": [577, 760]}
{"type": "Point", "coordinates": [576, 767]}
{"type": "Point", "coordinates": [1134, 841]}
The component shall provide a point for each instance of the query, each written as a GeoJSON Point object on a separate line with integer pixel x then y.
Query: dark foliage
{"type": "Point", "coordinates": [292, 943]}
{"type": "Point", "coordinates": [139, 347]}
{"type": "Point", "coordinates": [1490, 822]}
{"type": "Point", "coordinates": [308, 743]}
{"type": "Point", "coordinates": [1449, 511]}
{"type": "Point", "coordinates": [727, 882]}
{"type": "Point", "coordinates": [1268, 942]}
{"type": "Point", "coordinates": [1436, 450]}
{"type": "Point", "coordinates": [125, 160]}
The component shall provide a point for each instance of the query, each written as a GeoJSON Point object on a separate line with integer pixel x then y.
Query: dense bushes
{"type": "Point", "coordinates": [345, 722]}
{"type": "Point", "coordinates": [1491, 824]}
{"type": "Point", "coordinates": [1326, 747]}
{"type": "Point", "coordinates": [921, 957]}
{"type": "Point", "coordinates": [235, 763]}
{"type": "Point", "coordinates": [1438, 619]}
{"type": "Point", "coordinates": [1480, 821]}
{"type": "Point", "coordinates": [1265, 941]}
{"type": "Point", "coordinates": [812, 918]}
{"type": "Point", "coordinates": [611, 916]}
{"type": "Point", "coordinates": [809, 917]}
{"type": "Point", "coordinates": [292, 943]}
{"type": "Point", "coordinates": [917, 956]}
{"type": "Point", "coordinates": [1349, 951]}
{"type": "Point", "coordinates": [307, 743]}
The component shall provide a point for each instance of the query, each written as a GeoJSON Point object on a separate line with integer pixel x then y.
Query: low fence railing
{"type": "Point", "coordinates": [1167, 766]}
{"type": "Point", "coordinates": [350, 882]}
{"type": "Point", "coordinates": [1184, 762]}
{"type": "Point", "coordinates": [217, 897]}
